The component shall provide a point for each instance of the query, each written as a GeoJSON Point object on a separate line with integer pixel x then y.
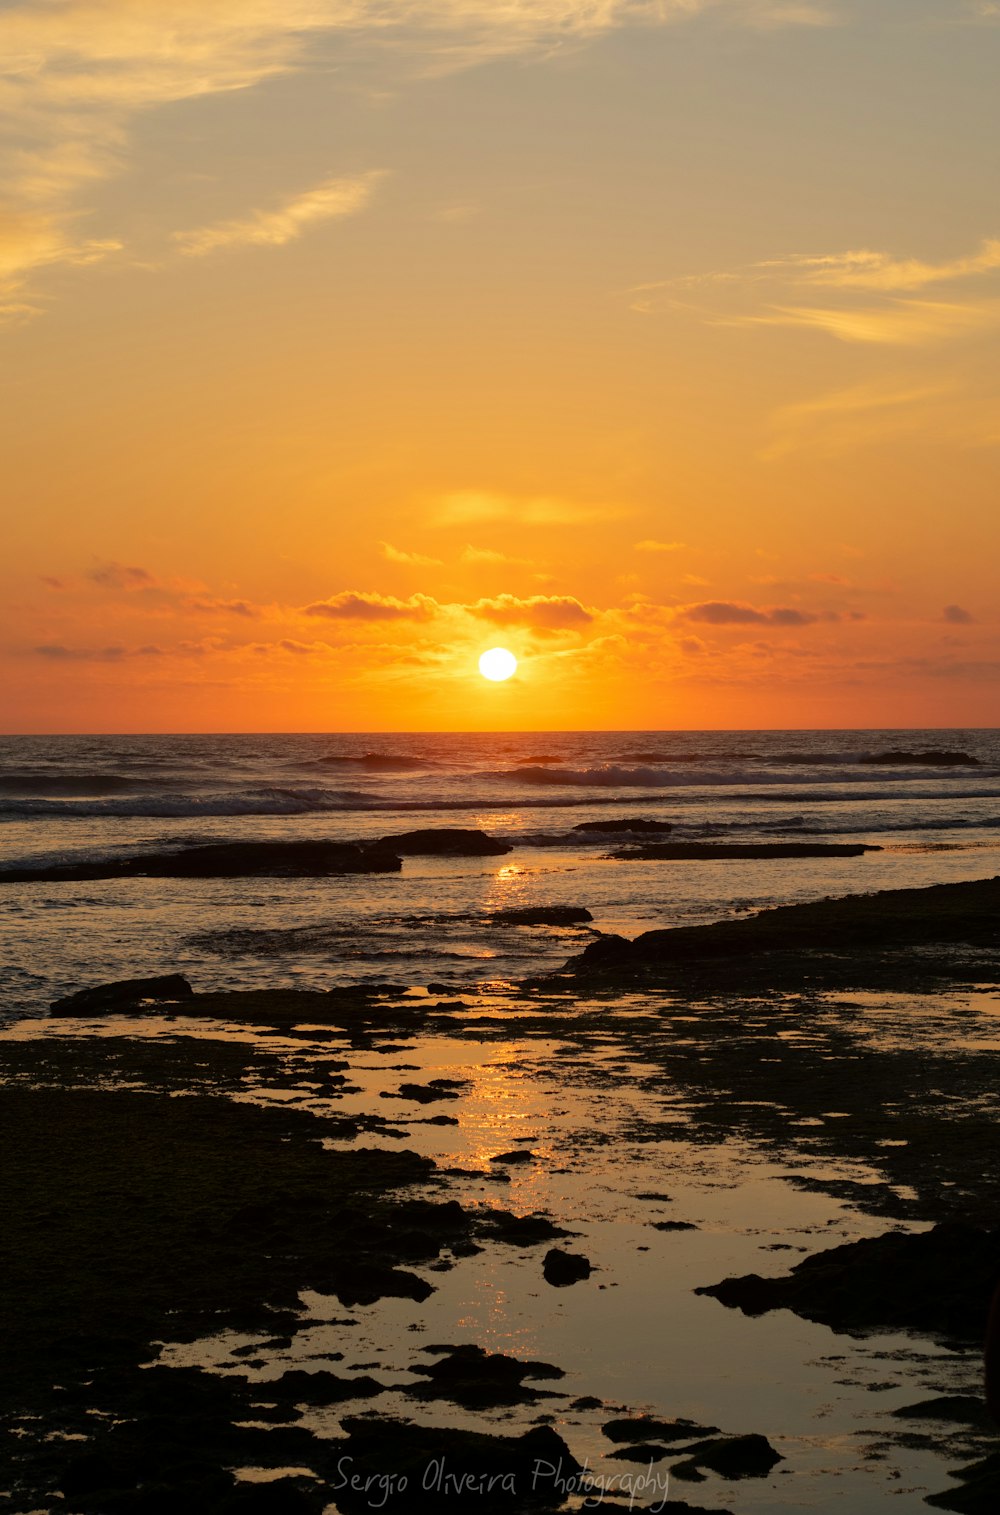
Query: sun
{"type": "Point", "coordinates": [497, 664]}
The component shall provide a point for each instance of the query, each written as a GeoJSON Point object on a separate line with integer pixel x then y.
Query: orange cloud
{"type": "Point", "coordinates": [352, 605]}
{"type": "Point", "coordinates": [543, 612]}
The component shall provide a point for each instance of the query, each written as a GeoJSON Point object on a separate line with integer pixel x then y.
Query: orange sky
{"type": "Point", "coordinates": [655, 341]}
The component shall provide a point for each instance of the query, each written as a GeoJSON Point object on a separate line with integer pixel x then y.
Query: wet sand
{"type": "Point", "coordinates": [250, 1236]}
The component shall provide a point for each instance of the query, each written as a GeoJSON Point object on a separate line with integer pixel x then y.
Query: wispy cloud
{"type": "Point", "coordinates": [770, 293]}
{"type": "Point", "coordinates": [330, 200]}
{"type": "Point", "coordinates": [79, 73]}
{"type": "Point", "coordinates": [852, 417]}
{"type": "Point", "coordinates": [408, 559]}
{"type": "Point", "coordinates": [113, 575]}
{"type": "Point", "coordinates": [900, 323]}
{"type": "Point", "coordinates": [473, 507]}
{"type": "Point", "coordinates": [651, 545]}
{"type": "Point", "coordinates": [866, 269]}
{"type": "Point", "coordinates": [737, 613]}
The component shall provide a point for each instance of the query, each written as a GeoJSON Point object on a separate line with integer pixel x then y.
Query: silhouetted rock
{"type": "Point", "coordinates": [730, 1457]}
{"type": "Point", "coordinates": [628, 824]}
{"type": "Point", "coordinates": [541, 915]}
{"type": "Point", "coordinates": [424, 1094]}
{"type": "Point", "coordinates": [519, 1230]}
{"type": "Point", "coordinates": [932, 758]}
{"type": "Point", "coordinates": [937, 1281]}
{"type": "Point", "coordinates": [221, 860]}
{"type": "Point", "coordinates": [940, 914]}
{"type": "Point", "coordinates": [470, 1376]}
{"type": "Point", "coordinates": [953, 1409]}
{"type": "Point", "coordinates": [722, 851]}
{"type": "Point", "coordinates": [647, 1428]}
{"type": "Point", "coordinates": [124, 994]}
{"type": "Point", "coordinates": [564, 1268]}
{"type": "Point", "coordinates": [977, 1494]}
{"type": "Point", "coordinates": [298, 1386]}
{"type": "Point", "coordinates": [444, 841]}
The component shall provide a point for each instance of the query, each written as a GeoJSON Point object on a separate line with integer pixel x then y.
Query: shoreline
{"type": "Point", "coordinates": [148, 1201]}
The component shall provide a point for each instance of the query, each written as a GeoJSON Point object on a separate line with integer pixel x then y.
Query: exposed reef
{"type": "Point", "coordinates": [221, 860]}
{"type": "Point", "coordinates": [723, 851]}
{"type": "Point", "coordinates": [444, 841]}
{"type": "Point", "coordinates": [899, 937]}
{"type": "Point", "coordinates": [939, 1281]}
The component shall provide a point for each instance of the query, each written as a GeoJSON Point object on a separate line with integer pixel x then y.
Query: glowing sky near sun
{"type": "Point", "coordinates": [656, 342]}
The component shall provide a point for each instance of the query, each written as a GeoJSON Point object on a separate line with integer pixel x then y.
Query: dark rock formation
{"type": "Point", "coordinates": [979, 1491]}
{"type": "Point", "coordinates": [126, 994]}
{"type": "Point", "coordinates": [894, 918]}
{"type": "Point", "coordinates": [541, 915]}
{"type": "Point", "coordinates": [730, 1457]}
{"type": "Point", "coordinates": [564, 1268]}
{"type": "Point", "coordinates": [298, 1386]}
{"type": "Point", "coordinates": [932, 758]}
{"type": "Point", "coordinates": [937, 1281]}
{"type": "Point", "coordinates": [444, 841]}
{"type": "Point", "coordinates": [646, 1428]}
{"type": "Point", "coordinates": [221, 860]}
{"type": "Point", "coordinates": [722, 851]}
{"type": "Point", "coordinates": [470, 1376]}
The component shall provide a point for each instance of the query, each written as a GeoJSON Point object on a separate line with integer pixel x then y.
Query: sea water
{"type": "Point", "coordinates": [65, 798]}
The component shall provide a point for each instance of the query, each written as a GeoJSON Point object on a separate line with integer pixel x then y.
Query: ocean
{"type": "Point", "coordinates": [65, 798]}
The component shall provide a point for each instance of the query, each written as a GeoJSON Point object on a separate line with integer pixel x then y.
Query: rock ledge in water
{"type": "Point", "coordinates": [125, 994]}
{"type": "Point", "coordinates": [933, 758]}
{"type": "Point", "coordinates": [936, 1281]}
{"type": "Point", "coordinates": [221, 860]}
{"type": "Point", "coordinates": [444, 841]}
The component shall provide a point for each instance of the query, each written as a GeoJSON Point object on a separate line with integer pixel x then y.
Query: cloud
{"type": "Point", "coordinates": [542, 612]}
{"type": "Point", "coordinates": [120, 576]}
{"type": "Point", "coordinates": [865, 269]}
{"type": "Point", "coordinates": [736, 613]}
{"type": "Point", "coordinates": [225, 607]}
{"type": "Point", "coordinates": [51, 582]}
{"type": "Point", "coordinates": [413, 559]}
{"type": "Point", "coordinates": [329, 200]}
{"type": "Point", "coordinates": [56, 652]}
{"type": "Point", "coordinates": [472, 554]}
{"type": "Point", "coordinates": [474, 507]}
{"type": "Point", "coordinates": [32, 240]}
{"type": "Point", "coordinates": [865, 413]}
{"type": "Point", "coordinates": [352, 605]}
{"type": "Point", "coordinates": [80, 73]}
{"type": "Point", "coordinates": [907, 323]}
{"type": "Point", "coordinates": [956, 616]}
{"type": "Point", "coordinates": [652, 546]}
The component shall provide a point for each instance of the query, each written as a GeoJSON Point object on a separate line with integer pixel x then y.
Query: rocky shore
{"type": "Point", "coordinates": [895, 938]}
{"type": "Point", "coordinates": [201, 1180]}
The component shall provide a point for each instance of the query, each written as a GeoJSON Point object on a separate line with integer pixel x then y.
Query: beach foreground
{"type": "Point", "coordinates": [372, 1249]}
